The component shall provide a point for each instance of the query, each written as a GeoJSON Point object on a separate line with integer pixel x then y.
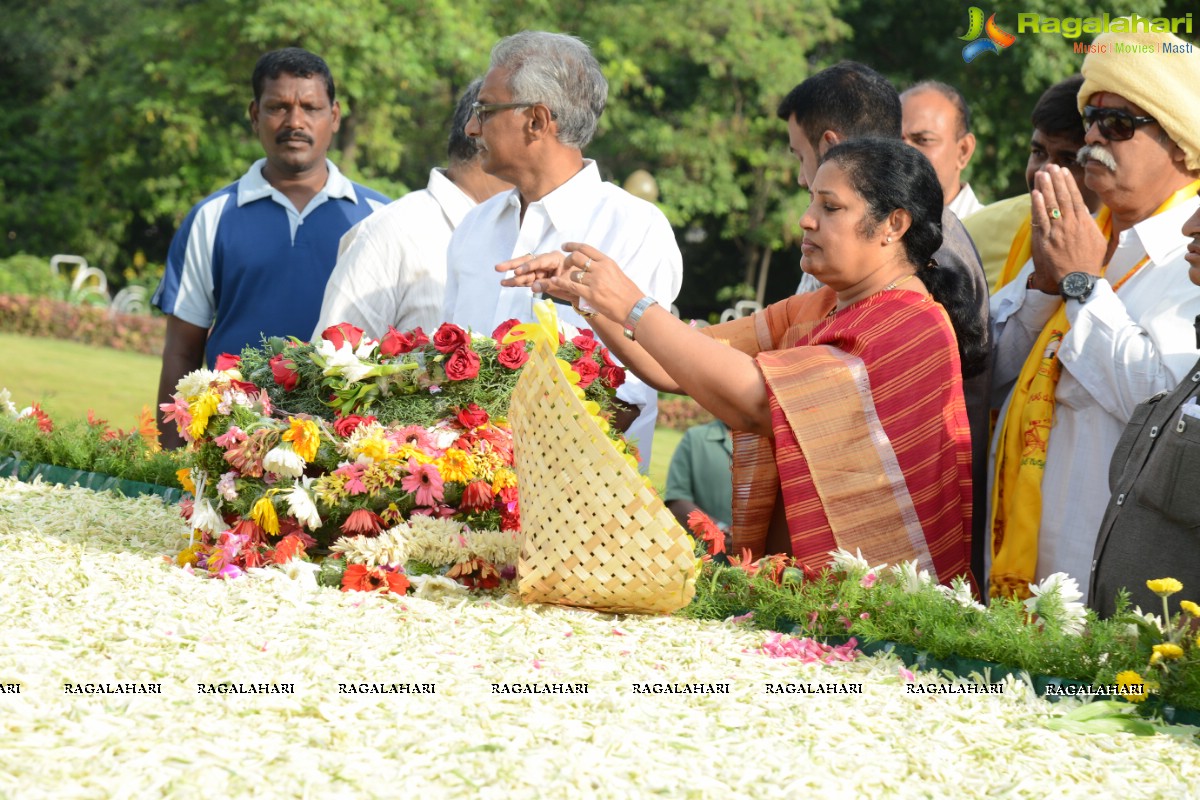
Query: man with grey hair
{"type": "Point", "coordinates": [538, 108]}
{"type": "Point", "coordinates": [391, 267]}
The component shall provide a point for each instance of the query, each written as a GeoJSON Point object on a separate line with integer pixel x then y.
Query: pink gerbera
{"type": "Point", "coordinates": [424, 481]}
{"type": "Point", "coordinates": [416, 436]}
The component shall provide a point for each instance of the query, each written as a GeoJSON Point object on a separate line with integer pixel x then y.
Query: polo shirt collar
{"type": "Point", "coordinates": [570, 206]}
{"type": "Point", "coordinates": [455, 203]}
{"type": "Point", "coordinates": [253, 186]}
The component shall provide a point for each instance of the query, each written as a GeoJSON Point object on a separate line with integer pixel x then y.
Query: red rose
{"type": "Point", "coordinates": [227, 361]}
{"type": "Point", "coordinates": [246, 387]}
{"type": "Point", "coordinates": [283, 369]}
{"type": "Point", "coordinates": [462, 364]}
{"type": "Point", "coordinates": [613, 376]}
{"type": "Point", "coordinates": [341, 333]}
{"type": "Point", "coordinates": [586, 341]}
{"type": "Point", "coordinates": [503, 328]}
{"type": "Point", "coordinates": [513, 355]}
{"type": "Point", "coordinates": [394, 342]}
{"type": "Point", "coordinates": [344, 426]}
{"type": "Point", "coordinates": [588, 371]}
{"type": "Point", "coordinates": [472, 417]}
{"type": "Point", "coordinates": [449, 337]}
{"type": "Point", "coordinates": [606, 357]}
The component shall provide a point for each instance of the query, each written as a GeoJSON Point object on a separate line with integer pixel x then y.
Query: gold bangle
{"type": "Point", "coordinates": [583, 312]}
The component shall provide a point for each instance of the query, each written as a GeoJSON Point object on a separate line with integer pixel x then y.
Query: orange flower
{"type": "Point", "coordinates": [362, 522]}
{"type": "Point", "coordinates": [703, 526]}
{"type": "Point", "coordinates": [291, 546]}
{"type": "Point", "coordinates": [361, 578]}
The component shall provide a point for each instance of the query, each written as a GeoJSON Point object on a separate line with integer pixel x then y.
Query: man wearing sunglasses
{"type": "Point", "coordinates": [1101, 316]}
{"type": "Point", "coordinates": [538, 108]}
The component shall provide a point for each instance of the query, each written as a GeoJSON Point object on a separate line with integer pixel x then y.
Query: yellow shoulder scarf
{"type": "Point", "coordinates": [1025, 437]}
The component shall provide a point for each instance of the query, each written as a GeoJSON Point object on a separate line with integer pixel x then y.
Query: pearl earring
{"type": "Point", "coordinates": [889, 240]}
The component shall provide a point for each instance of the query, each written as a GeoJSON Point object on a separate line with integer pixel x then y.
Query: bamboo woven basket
{"type": "Point", "coordinates": [595, 535]}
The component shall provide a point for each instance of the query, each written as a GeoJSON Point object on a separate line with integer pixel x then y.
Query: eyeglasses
{"type": "Point", "coordinates": [483, 111]}
{"type": "Point", "coordinates": [1115, 125]}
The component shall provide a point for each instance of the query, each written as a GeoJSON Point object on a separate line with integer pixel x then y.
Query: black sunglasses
{"type": "Point", "coordinates": [1115, 125]}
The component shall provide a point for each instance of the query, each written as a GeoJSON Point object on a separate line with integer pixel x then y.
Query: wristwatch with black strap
{"type": "Point", "coordinates": [1077, 286]}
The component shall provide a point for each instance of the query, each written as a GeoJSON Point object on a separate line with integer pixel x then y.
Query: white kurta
{"type": "Point", "coordinates": [631, 231]}
{"type": "Point", "coordinates": [391, 267]}
{"type": "Point", "coordinates": [1121, 349]}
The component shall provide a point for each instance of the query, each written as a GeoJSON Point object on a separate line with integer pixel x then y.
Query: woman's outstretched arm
{"type": "Point", "coordinates": [668, 354]}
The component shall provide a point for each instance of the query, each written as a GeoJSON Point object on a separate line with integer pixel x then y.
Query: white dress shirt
{"type": "Point", "coordinates": [391, 267]}
{"type": "Point", "coordinates": [965, 203]}
{"type": "Point", "coordinates": [631, 231]}
{"type": "Point", "coordinates": [1121, 349]}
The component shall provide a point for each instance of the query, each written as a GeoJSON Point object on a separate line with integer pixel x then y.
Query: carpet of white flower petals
{"type": "Point", "coordinates": [87, 598]}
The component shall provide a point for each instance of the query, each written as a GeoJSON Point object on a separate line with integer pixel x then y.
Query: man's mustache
{"type": "Point", "coordinates": [1096, 152]}
{"type": "Point", "coordinates": [294, 136]}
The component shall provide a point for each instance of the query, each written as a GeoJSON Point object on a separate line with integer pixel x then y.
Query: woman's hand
{"type": "Point", "coordinates": [584, 273]}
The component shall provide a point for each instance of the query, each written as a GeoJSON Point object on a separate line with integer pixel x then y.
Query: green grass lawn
{"type": "Point", "coordinates": [69, 378]}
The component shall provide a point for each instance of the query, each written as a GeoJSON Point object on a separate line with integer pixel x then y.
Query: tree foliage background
{"type": "Point", "coordinates": [117, 115]}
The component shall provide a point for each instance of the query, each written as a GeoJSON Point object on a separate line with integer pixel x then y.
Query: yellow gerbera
{"type": "Point", "coordinates": [1190, 607]}
{"type": "Point", "coordinates": [1164, 587]}
{"type": "Point", "coordinates": [202, 409]}
{"type": "Point", "coordinates": [375, 448]}
{"type": "Point", "coordinates": [1133, 684]}
{"type": "Point", "coordinates": [409, 450]}
{"type": "Point", "coordinates": [1168, 651]}
{"type": "Point", "coordinates": [305, 436]}
{"type": "Point", "coordinates": [264, 514]}
{"type": "Point", "coordinates": [455, 465]}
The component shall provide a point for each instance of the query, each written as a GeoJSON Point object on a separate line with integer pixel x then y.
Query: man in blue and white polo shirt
{"type": "Point", "coordinates": [252, 260]}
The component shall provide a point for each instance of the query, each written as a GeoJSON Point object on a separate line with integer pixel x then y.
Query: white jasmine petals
{"type": "Point", "coordinates": [205, 517]}
{"type": "Point", "coordinates": [284, 461]}
{"type": "Point", "coordinates": [432, 587]}
{"type": "Point", "coordinates": [302, 507]}
{"type": "Point", "coordinates": [343, 361]}
{"type": "Point", "coordinates": [301, 571]}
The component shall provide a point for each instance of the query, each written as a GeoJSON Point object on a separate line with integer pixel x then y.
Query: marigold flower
{"type": "Point", "coordinates": [263, 513]}
{"type": "Point", "coordinates": [1168, 651]}
{"type": "Point", "coordinates": [305, 436]}
{"type": "Point", "coordinates": [1190, 607]}
{"type": "Point", "coordinates": [189, 556]}
{"type": "Point", "coordinates": [1131, 679]}
{"type": "Point", "coordinates": [504, 478]}
{"type": "Point", "coordinates": [1164, 587]}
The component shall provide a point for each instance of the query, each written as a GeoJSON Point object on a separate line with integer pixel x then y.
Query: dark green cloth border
{"type": "Point", "coordinates": [13, 467]}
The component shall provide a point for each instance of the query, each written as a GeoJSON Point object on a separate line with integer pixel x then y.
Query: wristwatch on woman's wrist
{"type": "Point", "coordinates": [635, 315]}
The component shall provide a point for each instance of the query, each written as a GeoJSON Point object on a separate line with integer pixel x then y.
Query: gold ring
{"type": "Point", "coordinates": [1055, 214]}
{"type": "Point", "coordinates": [583, 312]}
